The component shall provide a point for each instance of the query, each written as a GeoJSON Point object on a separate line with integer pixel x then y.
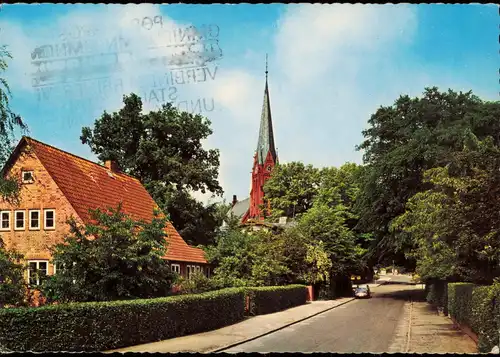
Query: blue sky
{"type": "Point", "coordinates": [330, 68]}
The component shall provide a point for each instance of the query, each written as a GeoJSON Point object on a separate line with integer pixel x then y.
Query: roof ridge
{"type": "Point", "coordinates": [28, 138]}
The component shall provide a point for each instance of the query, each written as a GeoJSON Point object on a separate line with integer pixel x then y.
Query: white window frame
{"type": "Point", "coordinates": [45, 219]}
{"type": "Point", "coordinates": [207, 272]}
{"type": "Point", "coordinates": [197, 268]}
{"type": "Point", "coordinates": [176, 268]}
{"type": "Point", "coordinates": [1, 221]}
{"type": "Point", "coordinates": [16, 228]}
{"type": "Point", "coordinates": [189, 271]}
{"type": "Point", "coordinates": [32, 176]}
{"type": "Point", "coordinates": [37, 268]}
{"type": "Point", "coordinates": [30, 220]}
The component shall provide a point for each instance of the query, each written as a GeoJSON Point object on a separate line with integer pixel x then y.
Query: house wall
{"type": "Point", "coordinates": [42, 194]}
{"type": "Point", "coordinates": [184, 270]}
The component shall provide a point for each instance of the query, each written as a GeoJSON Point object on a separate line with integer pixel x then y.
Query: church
{"type": "Point", "coordinates": [253, 209]}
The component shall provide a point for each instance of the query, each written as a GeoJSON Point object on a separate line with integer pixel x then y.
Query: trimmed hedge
{"type": "Point", "coordinates": [477, 307]}
{"type": "Point", "coordinates": [99, 326]}
{"type": "Point", "coordinates": [269, 299]}
{"type": "Point", "coordinates": [460, 302]}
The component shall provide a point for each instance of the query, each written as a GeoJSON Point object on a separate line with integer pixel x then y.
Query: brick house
{"type": "Point", "coordinates": [56, 185]}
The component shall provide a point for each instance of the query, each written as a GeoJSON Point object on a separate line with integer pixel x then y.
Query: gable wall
{"type": "Point", "coordinates": [40, 195]}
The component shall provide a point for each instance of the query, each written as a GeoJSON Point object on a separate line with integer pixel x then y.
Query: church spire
{"type": "Point", "coordinates": [266, 136]}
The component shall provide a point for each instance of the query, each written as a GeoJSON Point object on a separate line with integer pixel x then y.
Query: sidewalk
{"type": "Point", "coordinates": [423, 330]}
{"type": "Point", "coordinates": [248, 329]}
{"type": "Point", "coordinates": [433, 333]}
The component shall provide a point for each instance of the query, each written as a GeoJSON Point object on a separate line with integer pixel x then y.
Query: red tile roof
{"type": "Point", "coordinates": [88, 185]}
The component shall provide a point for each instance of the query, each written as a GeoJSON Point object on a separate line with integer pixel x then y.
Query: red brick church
{"type": "Point", "coordinates": [254, 208]}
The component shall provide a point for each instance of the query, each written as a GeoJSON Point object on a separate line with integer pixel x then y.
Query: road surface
{"type": "Point", "coordinates": [358, 326]}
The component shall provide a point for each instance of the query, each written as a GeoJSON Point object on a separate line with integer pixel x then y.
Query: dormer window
{"type": "Point", "coordinates": [28, 177]}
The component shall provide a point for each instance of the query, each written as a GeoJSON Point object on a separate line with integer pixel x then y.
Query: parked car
{"type": "Point", "coordinates": [360, 293]}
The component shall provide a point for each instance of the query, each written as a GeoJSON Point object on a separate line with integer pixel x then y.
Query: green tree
{"type": "Point", "coordinates": [327, 225]}
{"type": "Point", "coordinates": [163, 149]}
{"type": "Point", "coordinates": [247, 259]}
{"type": "Point", "coordinates": [455, 222]}
{"type": "Point", "coordinates": [291, 189]}
{"type": "Point", "coordinates": [12, 284]}
{"type": "Point", "coordinates": [405, 140]}
{"type": "Point", "coordinates": [306, 258]}
{"type": "Point", "coordinates": [9, 122]}
{"type": "Point", "coordinates": [112, 259]}
{"type": "Point", "coordinates": [198, 223]}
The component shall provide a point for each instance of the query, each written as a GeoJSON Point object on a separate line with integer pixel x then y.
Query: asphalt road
{"type": "Point", "coordinates": [358, 326]}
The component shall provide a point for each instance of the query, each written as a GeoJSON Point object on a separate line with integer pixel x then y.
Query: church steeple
{"type": "Point", "coordinates": [265, 143]}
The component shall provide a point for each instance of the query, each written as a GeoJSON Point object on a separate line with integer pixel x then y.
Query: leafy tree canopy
{"type": "Point", "coordinates": [163, 149]}
{"type": "Point", "coordinates": [404, 141]}
{"type": "Point", "coordinates": [455, 222]}
{"type": "Point", "coordinates": [114, 258]}
{"type": "Point", "coordinates": [9, 122]}
{"type": "Point", "coordinates": [291, 189]}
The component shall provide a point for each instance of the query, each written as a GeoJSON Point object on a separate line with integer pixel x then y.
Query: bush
{"type": "Point", "coordinates": [269, 299]}
{"type": "Point", "coordinates": [99, 326]}
{"type": "Point", "coordinates": [198, 283]}
{"type": "Point", "coordinates": [12, 284]}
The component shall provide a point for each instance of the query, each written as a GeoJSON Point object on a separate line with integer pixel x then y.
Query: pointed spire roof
{"type": "Point", "coordinates": [266, 136]}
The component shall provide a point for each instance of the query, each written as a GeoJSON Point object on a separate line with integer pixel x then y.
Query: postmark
{"type": "Point", "coordinates": [82, 65]}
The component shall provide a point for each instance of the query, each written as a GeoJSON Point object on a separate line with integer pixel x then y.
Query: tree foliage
{"type": "Point", "coordinates": [247, 259]}
{"type": "Point", "coordinates": [9, 122]}
{"type": "Point", "coordinates": [455, 224]}
{"type": "Point", "coordinates": [12, 284]}
{"type": "Point", "coordinates": [163, 149]}
{"type": "Point", "coordinates": [327, 225]}
{"type": "Point", "coordinates": [403, 142]}
{"type": "Point", "coordinates": [114, 258]}
{"type": "Point", "coordinates": [291, 189]}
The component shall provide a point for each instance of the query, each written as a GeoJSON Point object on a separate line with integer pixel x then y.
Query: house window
{"type": "Point", "coordinates": [37, 271]}
{"type": "Point", "coordinates": [197, 269]}
{"type": "Point", "coordinates": [19, 220]}
{"type": "Point", "coordinates": [4, 220]}
{"type": "Point", "coordinates": [176, 268]}
{"type": "Point", "coordinates": [34, 219]}
{"type": "Point", "coordinates": [50, 219]}
{"type": "Point", "coordinates": [207, 272]}
{"type": "Point", "coordinates": [28, 177]}
{"type": "Point", "coordinates": [190, 270]}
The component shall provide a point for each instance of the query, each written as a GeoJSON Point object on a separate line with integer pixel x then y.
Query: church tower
{"type": "Point", "coordinates": [264, 161]}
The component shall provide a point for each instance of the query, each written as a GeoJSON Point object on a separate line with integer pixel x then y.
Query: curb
{"type": "Point", "coordinates": [220, 349]}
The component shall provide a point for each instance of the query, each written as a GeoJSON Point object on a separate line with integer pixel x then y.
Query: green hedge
{"type": "Point", "coordinates": [478, 308]}
{"type": "Point", "coordinates": [460, 302]}
{"type": "Point", "coordinates": [100, 326]}
{"type": "Point", "coordinates": [269, 299]}
{"type": "Point", "coordinates": [482, 317]}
